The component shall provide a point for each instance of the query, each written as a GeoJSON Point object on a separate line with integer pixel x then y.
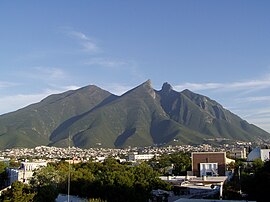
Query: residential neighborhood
{"type": "Point", "coordinates": [211, 167]}
{"type": "Point", "coordinates": [58, 153]}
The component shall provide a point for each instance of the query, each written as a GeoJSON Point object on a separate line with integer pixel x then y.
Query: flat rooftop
{"type": "Point", "coordinates": [208, 180]}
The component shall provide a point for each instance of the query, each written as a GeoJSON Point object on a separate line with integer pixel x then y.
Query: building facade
{"type": "Point", "coordinates": [25, 172]}
{"type": "Point", "coordinates": [140, 157]}
{"type": "Point", "coordinates": [209, 163]}
{"type": "Point", "coordinates": [238, 153]}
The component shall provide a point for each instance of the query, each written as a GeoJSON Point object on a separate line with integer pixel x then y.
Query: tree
{"type": "Point", "coordinates": [257, 185]}
{"type": "Point", "coordinates": [146, 179]}
{"type": "Point", "coordinates": [18, 192]}
{"type": "Point", "coordinates": [14, 163]}
{"type": "Point", "coordinates": [3, 166]}
{"type": "Point", "coordinates": [109, 181]}
{"type": "Point", "coordinates": [3, 173]}
{"type": "Point", "coordinates": [257, 164]}
{"type": "Point", "coordinates": [254, 181]}
{"type": "Point", "coordinates": [181, 162]}
{"type": "Point", "coordinates": [45, 183]}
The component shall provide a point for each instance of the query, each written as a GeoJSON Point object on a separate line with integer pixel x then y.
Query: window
{"type": "Point", "coordinates": [209, 174]}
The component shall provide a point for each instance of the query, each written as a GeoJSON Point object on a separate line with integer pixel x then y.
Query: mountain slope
{"type": "Point", "coordinates": [34, 124]}
{"type": "Point", "coordinates": [142, 116]}
{"type": "Point", "coordinates": [125, 119]}
{"type": "Point", "coordinates": [206, 116]}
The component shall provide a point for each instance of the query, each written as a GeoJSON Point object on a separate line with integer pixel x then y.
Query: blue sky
{"type": "Point", "coordinates": [220, 49]}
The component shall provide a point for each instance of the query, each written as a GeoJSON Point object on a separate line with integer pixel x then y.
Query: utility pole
{"type": "Point", "coordinates": [68, 167]}
{"type": "Point", "coordinates": [239, 175]}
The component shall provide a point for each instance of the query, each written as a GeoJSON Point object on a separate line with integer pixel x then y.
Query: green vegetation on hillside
{"type": "Point", "coordinates": [143, 116]}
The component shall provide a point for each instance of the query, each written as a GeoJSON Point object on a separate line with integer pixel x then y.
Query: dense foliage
{"type": "Point", "coordinates": [18, 192]}
{"type": "Point", "coordinates": [109, 181]}
{"type": "Point", "coordinates": [251, 181]}
{"type": "Point", "coordinates": [256, 184]}
{"type": "Point", "coordinates": [176, 163]}
{"type": "Point", "coordinates": [3, 175]}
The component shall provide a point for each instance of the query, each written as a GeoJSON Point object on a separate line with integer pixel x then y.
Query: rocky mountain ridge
{"type": "Point", "coordinates": [143, 116]}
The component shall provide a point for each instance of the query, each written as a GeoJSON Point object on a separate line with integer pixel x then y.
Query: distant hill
{"type": "Point", "coordinates": [93, 117]}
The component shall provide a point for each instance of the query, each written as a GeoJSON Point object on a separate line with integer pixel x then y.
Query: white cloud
{"type": "Point", "coordinates": [4, 84]}
{"type": "Point", "coordinates": [198, 86]}
{"type": "Point", "coordinates": [88, 43]}
{"type": "Point", "coordinates": [105, 62]}
{"type": "Point", "coordinates": [90, 46]}
{"type": "Point", "coordinates": [260, 116]}
{"type": "Point", "coordinates": [265, 126]}
{"type": "Point", "coordinates": [42, 73]}
{"type": "Point", "coordinates": [234, 86]}
{"type": "Point", "coordinates": [50, 73]}
{"type": "Point", "coordinates": [257, 112]}
{"type": "Point", "coordinates": [18, 101]}
{"type": "Point", "coordinates": [254, 99]}
{"type": "Point", "coordinates": [78, 35]}
{"type": "Point", "coordinates": [117, 89]}
{"type": "Point", "coordinates": [72, 87]}
{"type": "Point", "coordinates": [262, 122]}
{"type": "Point", "coordinates": [14, 102]}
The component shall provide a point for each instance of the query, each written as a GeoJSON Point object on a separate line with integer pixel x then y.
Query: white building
{"type": "Point", "coordinates": [25, 172]}
{"type": "Point", "coordinates": [238, 153]}
{"type": "Point", "coordinates": [258, 153]}
{"type": "Point", "coordinates": [140, 157]}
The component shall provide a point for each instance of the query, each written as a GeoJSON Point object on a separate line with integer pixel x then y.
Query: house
{"type": "Point", "coordinates": [209, 163]}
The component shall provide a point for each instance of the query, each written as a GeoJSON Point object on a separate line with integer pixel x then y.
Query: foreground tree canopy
{"type": "Point", "coordinates": [109, 181]}
{"type": "Point", "coordinates": [250, 181]}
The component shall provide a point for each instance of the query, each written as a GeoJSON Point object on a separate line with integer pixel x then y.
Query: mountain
{"type": "Point", "coordinates": [143, 116]}
{"type": "Point", "coordinates": [33, 125]}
